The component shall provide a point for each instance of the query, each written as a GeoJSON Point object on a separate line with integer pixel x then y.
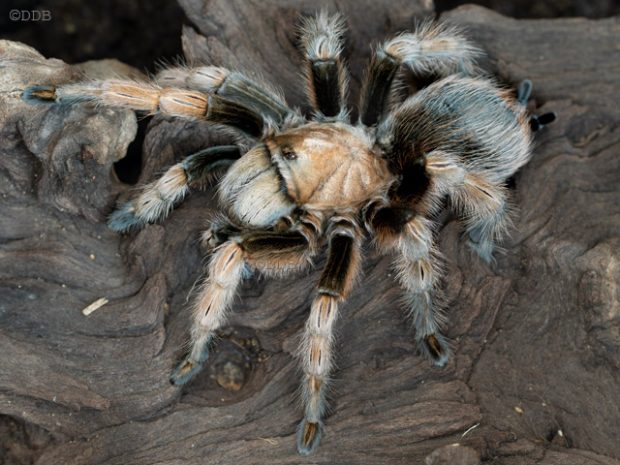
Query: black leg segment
{"type": "Point", "coordinates": [376, 91]}
{"type": "Point", "coordinates": [202, 165]}
{"type": "Point", "coordinates": [326, 83]}
{"type": "Point", "coordinates": [245, 93]}
{"type": "Point", "coordinates": [334, 277]}
{"type": "Point", "coordinates": [322, 43]}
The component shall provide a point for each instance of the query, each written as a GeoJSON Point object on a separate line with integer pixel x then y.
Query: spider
{"type": "Point", "coordinates": [309, 182]}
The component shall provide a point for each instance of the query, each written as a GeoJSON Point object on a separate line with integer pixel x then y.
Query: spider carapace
{"type": "Point", "coordinates": [323, 180]}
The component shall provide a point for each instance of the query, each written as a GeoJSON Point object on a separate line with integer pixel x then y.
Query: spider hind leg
{"type": "Point", "coordinates": [410, 236]}
{"type": "Point", "coordinates": [433, 52]}
{"type": "Point", "coordinates": [419, 276]}
{"type": "Point", "coordinates": [484, 208]}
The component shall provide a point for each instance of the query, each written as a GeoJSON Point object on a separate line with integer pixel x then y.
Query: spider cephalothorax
{"type": "Point", "coordinates": [324, 167]}
{"type": "Point", "coordinates": [325, 180]}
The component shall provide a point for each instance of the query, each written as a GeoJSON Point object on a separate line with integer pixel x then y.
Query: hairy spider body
{"type": "Point", "coordinates": [306, 183]}
{"type": "Point", "coordinates": [326, 167]}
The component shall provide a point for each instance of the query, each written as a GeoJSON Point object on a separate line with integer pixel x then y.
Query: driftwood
{"type": "Point", "coordinates": [535, 376]}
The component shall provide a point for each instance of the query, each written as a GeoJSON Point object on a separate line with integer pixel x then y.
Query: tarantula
{"type": "Point", "coordinates": [307, 182]}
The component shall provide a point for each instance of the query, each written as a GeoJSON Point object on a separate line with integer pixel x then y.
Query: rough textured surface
{"type": "Point", "coordinates": [537, 337]}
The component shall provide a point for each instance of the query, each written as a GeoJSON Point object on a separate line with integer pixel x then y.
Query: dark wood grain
{"type": "Point", "coordinates": [535, 377]}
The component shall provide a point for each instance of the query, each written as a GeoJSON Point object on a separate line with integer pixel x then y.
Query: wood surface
{"type": "Point", "coordinates": [535, 377]}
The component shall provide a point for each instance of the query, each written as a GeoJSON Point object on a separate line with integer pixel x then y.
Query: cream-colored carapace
{"type": "Point", "coordinates": [325, 179]}
{"type": "Point", "coordinates": [321, 167]}
{"type": "Point", "coordinates": [330, 167]}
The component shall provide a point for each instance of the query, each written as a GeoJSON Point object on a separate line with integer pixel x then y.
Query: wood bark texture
{"type": "Point", "coordinates": [535, 377]}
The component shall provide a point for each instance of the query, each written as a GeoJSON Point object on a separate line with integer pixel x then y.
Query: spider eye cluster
{"type": "Point", "coordinates": [288, 153]}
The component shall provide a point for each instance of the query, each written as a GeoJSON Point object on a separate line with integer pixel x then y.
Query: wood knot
{"type": "Point", "coordinates": [237, 352]}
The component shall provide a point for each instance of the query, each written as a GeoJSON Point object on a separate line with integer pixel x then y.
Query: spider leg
{"type": "Point", "coordinates": [232, 86]}
{"type": "Point", "coordinates": [218, 232]}
{"type": "Point", "coordinates": [326, 75]}
{"type": "Point", "coordinates": [337, 278]}
{"type": "Point", "coordinates": [419, 272]}
{"type": "Point", "coordinates": [225, 98]}
{"type": "Point", "coordinates": [484, 208]}
{"type": "Point", "coordinates": [158, 198]}
{"type": "Point", "coordinates": [400, 224]}
{"type": "Point", "coordinates": [270, 252]}
{"type": "Point", "coordinates": [399, 229]}
{"type": "Point", "coordinates": [481, 203]}
{"type": "Point", "coordinates": [433, 52]}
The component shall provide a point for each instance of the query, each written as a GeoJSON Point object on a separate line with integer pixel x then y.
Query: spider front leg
{"type": "Point", "coordinates": [225, 98]}
{"type": "Point", "coordinates": [233, 86]}
{"type": "Point", "coordinates": [158, 198]}
{"type": "Point", "coordinates": [269, 252]}
{"type": "Point", "coordinates": [339, 274]}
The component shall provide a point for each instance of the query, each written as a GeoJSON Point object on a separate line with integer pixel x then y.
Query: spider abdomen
{"type": "Point", "coordinates": [473, 118]}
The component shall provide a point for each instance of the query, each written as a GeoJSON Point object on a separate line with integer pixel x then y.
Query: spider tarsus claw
{"type": "Point", "coordinates": [186, 370]}
{"type": "Point", "coordinates": [436, 348]}
{"type": "Point", "coordinates": [484, 249]}
{"type": "Point", "coordinates": [210, 240]}
{"type": "Point", "coordinates": [123, 219]}
{"type": "Point", "coordinates": [308, 437]}
{"type": "Point", "coordinates": [39, 94]}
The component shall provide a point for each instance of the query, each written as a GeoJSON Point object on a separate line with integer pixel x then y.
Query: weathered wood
{"type": "Point", "coordinates": [536, 337]}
